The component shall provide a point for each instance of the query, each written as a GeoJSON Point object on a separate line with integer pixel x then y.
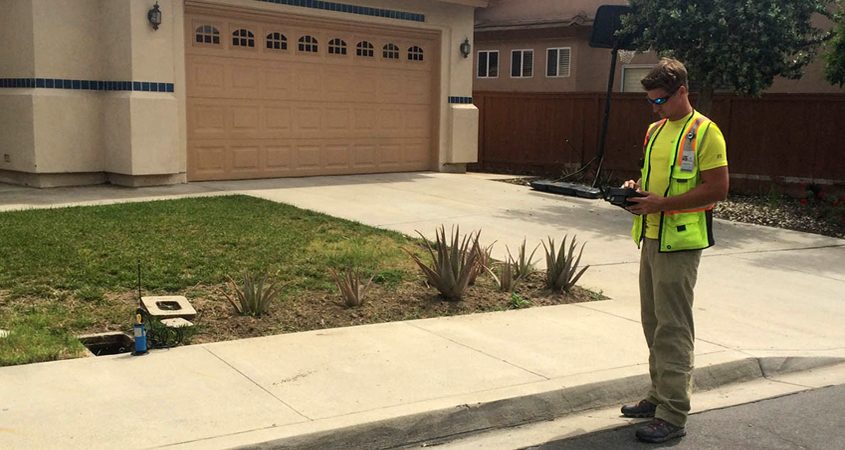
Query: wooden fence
{"type": "Point", "coordinates": [778, 138]}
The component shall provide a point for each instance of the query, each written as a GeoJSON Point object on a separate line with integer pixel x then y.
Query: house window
{"type": "Point", "coordinates": [632, 75]}
{"type": "Point", "coordinates": [522, 63]}
{"type": "Point", "coordinates": [364, 48]}
{"type": "Point", "coordinates": [558, 62]}
{"type": "Point", "coordinates": [415, 54]}
{"type": "Point", "coordinates": [243, 38]}
{"type": "Point", "coordinates": [277, 41]}
{"type": "Point", "coordinates": [337, 47]}
{"type": "Point", "coordinates": [488, 64]}
{"type": "Point", "coordinates": [207, 34]}
{"type": "Point", "coordinates": [308, 44]}
{"type": "Point", "coordinates": [390, 51]}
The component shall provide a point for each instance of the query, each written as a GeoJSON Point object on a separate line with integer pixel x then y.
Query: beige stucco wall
{"type": "Point", "coordinates": [49, 132]}
{"type": "Point", "coordinates": [17, 139]}
{"type": "Point", "coordinates": [89, 131]}
{"type": "Point", "coordinates": [16, 29]}
{"type": "Point", "coordinates": [16, 134]}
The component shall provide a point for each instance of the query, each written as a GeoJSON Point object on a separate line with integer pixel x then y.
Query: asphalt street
{"type": "Point", "coordinates": [812, 419]}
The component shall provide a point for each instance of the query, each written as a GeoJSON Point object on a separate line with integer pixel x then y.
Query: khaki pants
{"type": "Point", "coordinates": [666, 294]}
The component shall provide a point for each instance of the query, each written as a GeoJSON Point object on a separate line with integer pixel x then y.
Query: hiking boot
{"type": "Point", "coordinates": [642, 409]}
{"type": "Point", "coordinates": [659, 430]}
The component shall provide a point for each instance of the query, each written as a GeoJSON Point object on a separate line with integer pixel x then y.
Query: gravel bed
{"type": "Point", "coordinates": [783, 212]}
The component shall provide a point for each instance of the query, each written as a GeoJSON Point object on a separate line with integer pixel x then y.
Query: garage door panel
{"type": "Point", "coordinates": [243, 82]}
{"type": "Point", "coordinates": [276, 83]}
{"type": "Point", "coordinates": [365, 117]}
{"type": "Point", "coordinates": [390, 89]}
{"type": "Point", "coordinates": [339, 83]}
{"type": "Point", "coordinates": [390, 155]}
{"type": "Point", "coordinates": [337, 156]}
{"type": "Point", "coordinates": [258, 112]}
{"type": "Point", "coordinates": [416, 151]}
{"type": "Point", "coordinates": [417, 121]}
{"type": "Point", "coordinates": [307, 84]}
{"type": "Point", "coordinates": [390, 120]}
{"type": "Point", "coordinates": [277, 119]}
{"type": "Point", "coordinates": [308, 119]}
{"type": "Point", "coordinates": [307, 156]}
{"type": "Point", "coordinates": [337, 120]}
{"type": "Point", "coordinates": [207, 121]}
{"type": "Point", "coordinates": [366, 84]}
{"type": "Point", "coordinates": [364, 155]}
{"type": "Point", "coordinates": [279, 157]}
{"type": "Point", "coordinates": [245, 158]}
{"type": "Point", "coordinates": [210, 159]}
{"type": "Point", "coordinates": [417, 90]}
{"type": "Point", "coordinates": [209, 75]}
{"type": "Point", "coordinates": [244, 119]}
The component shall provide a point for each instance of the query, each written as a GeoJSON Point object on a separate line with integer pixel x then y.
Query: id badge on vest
{"type": "Point", "coordinates": [688, 155]}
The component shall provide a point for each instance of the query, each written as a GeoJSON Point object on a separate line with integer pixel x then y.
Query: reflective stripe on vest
{"type": "Point", "coordinates": [651, 130]}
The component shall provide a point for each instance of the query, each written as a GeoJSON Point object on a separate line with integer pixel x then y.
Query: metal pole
{"type": "Point", "coordinates": [603, 133]}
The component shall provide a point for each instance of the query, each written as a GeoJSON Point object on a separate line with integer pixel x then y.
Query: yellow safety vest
{"type": "Point", "coordinates": [690, 229]}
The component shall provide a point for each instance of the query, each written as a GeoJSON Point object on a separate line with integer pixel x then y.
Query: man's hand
{"type": "Point", "coordinates": [631, 184]}
{"type": "Point", "coordinates": [651, 203]}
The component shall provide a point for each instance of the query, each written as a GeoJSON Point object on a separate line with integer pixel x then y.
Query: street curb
{"type": "Point", "coordinates": [449, 423]}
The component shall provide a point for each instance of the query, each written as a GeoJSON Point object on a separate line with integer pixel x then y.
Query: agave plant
{"type": "Point", "coordinates": [506, 279]}
{"type": "Point", "coordinates": [451, 265]}
{"type": "Point", "coordinates": [485, 258]}
{"type": "Point", "coordinates": [352, 289]}
{"type": "Point", "coordinates": [523, 266]}
{"type": "Point", "coordinates": [561, 266]}
{"type": "Point", "coordinates": [253, 295]}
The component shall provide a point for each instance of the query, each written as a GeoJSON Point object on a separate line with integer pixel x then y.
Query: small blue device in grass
{"type": "Point", "coordinates": [138, 328]}
{"type": "Point", "coordinates": [140, 334]}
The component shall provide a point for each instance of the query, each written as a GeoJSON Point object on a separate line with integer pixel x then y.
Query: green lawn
{"type": "Point", "coordinates": [61, 269]}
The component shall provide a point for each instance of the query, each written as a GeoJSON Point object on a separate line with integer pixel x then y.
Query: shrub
{"type": "Point", "coordinates": [451, 265]}
{"type": "Point", "coordinates": [351, 288]}
{"type": "Point", "coordinates": [252, 297]}
{"type": "Point", "coordinates": [562, 266]}
{"type": "Point", "coordinates": [518, 302]}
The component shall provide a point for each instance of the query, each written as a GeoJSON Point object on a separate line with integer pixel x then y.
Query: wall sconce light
{"type": "Point", "coordinates": [465, 47]}
{"type": "Point", "coordinates": [154, 16]}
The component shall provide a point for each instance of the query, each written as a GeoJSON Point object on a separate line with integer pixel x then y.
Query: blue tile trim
{"type": "Point", "coordinates": [352, 9]}
{"type": "Point", "coordinates": [461, 100]}
{"type": "Point", "coordinates": [86, 85]}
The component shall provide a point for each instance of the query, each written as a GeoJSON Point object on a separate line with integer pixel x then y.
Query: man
{"type": "Point", "coordinates": [684, 172]}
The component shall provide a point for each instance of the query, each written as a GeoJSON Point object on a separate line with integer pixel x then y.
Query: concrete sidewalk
{"type": "Point", "coordinates": [768, 301]}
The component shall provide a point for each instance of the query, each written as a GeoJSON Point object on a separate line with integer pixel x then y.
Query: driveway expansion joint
{"type": "Point", "coordinates": [545, 378]}
{"type": "Point", "coordinates": [257, 384]}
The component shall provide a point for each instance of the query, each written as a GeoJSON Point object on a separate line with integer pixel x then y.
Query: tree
{"type": "Point", "coordinates": [738, 45]}
{"type": "Point", "coordinates": [834, 69]}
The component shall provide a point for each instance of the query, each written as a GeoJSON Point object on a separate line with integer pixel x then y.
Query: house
{"type": "Point", "coordinates": [146, 92]}
{"type": "Point", "coordinates": [543, 46]}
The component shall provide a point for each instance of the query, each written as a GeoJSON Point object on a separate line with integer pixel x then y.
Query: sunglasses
{"type": "Point", "coordinates": [661, 100]}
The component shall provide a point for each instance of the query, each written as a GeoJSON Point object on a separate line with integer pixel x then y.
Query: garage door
{"type": "Point", "coordinates": [275, 96]}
